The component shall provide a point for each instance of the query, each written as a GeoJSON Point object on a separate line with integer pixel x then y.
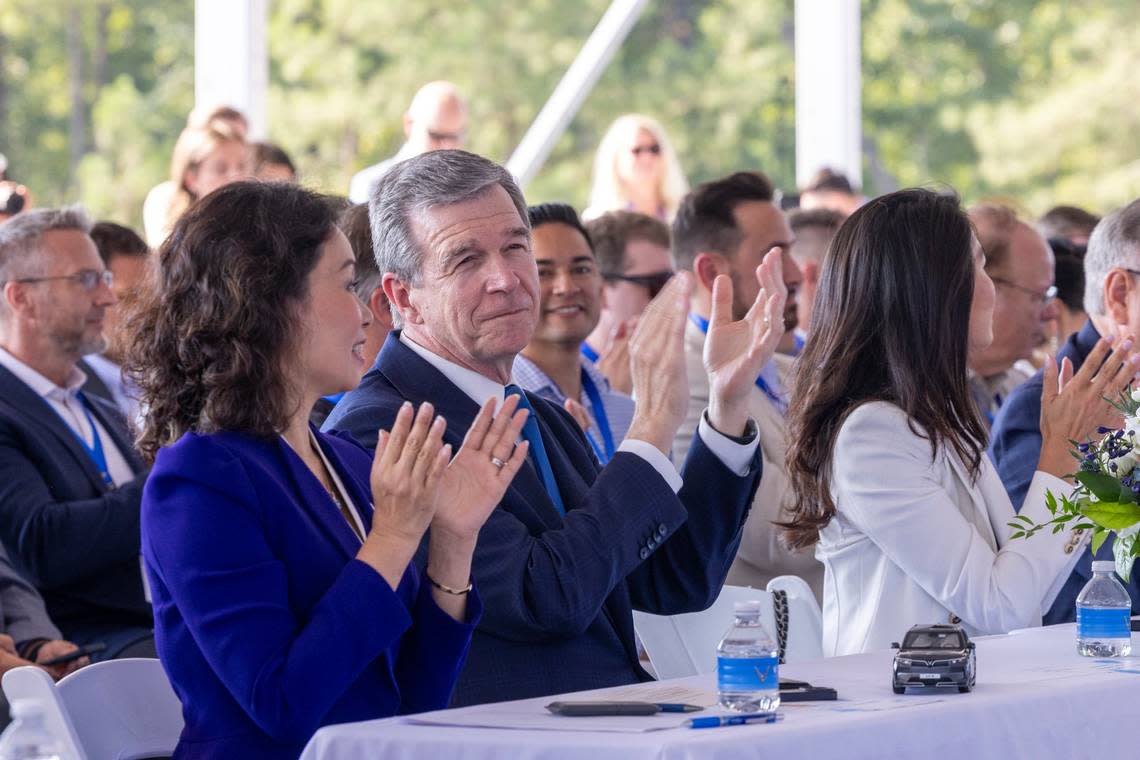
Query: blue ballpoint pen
{"type": "Point", "coordinates": [732, 720]}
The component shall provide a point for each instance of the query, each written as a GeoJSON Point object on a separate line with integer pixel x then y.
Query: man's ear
{"type": "Point", "coordinates": [1116, 286]}
{"type": "Point", "coordinates": [400, 296]}
{"type": "Point", "coordinates": [706, 267]}
{"type": "Point", "coordinates": [378, 305]}
{"type": "Point", "coordinates": [16, 297]}
{"type": "Point", "coordinates": [810, 271]}
{"type": "Point", "coordinates": [407, 124]}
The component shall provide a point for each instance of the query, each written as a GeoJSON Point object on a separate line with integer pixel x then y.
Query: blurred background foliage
{"type": "Point", "coordinates": [1032, 101]}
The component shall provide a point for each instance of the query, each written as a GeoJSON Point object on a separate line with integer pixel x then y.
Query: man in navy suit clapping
{"type": "Point", "coordinates": [572, 547]}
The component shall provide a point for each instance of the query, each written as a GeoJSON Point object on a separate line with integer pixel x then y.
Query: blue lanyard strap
{"type": "Point", "coordinates": [588, 352]}
{"type": "Point", "coordinates": [600, 419]}
{"type": "Point", "coordinates": [95, 451]}
{"type": "Point", "coordinates": [781, 404]}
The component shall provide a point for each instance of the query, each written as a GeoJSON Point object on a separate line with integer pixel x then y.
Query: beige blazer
{"type": "Point", "coordinates": [915, 541]}
{"type": "Point", "coordinates": [761, 556]}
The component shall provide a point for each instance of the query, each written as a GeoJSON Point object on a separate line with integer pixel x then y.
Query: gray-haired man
{"type": "Point", "coordinates": [1112, 301]}
{"type": "Point", "coordinates": [572, 548]}
{"type": "Point", "coordinates": [70, 483]}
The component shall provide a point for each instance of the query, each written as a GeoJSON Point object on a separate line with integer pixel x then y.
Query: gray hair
{"type": "Point", "coordinates": [1115, 244]}
{"type": "Point", "coordinates": [20, 237]}
{"type": "Point", "coordinates": [411, 187]}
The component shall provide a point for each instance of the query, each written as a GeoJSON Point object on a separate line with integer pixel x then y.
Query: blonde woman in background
{"type": "Point", "coordinates": [166, 201]}
{"type": "Point", "coordinates": [636, 169]}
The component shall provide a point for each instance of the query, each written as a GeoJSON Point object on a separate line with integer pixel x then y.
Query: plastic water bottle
{"type": "Point", "coordinates": [748, 663]}
{"type": "Point", "coordinates": [28, 738]}
{"type": "Point", "coordinates": [1103, 610]}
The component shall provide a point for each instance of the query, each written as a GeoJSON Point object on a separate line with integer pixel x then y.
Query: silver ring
{"type": "Point", "coordinates": [498, 462]}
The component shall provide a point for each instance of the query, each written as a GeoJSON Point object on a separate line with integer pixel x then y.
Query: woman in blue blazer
{"type": "Point", "coordinates": [278, 558]}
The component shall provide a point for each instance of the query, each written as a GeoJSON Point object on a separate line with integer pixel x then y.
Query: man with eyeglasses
{"type": "Point", "coordinates": [1020, 263]}
{"type": "Point", "coordinates": [633, 256]}
{"type": "Point", "coordinates": [436, 120]}
{"type": "Point", "coordinates": [1112, 301]}
{"type": "Point", "coordinates": [70, 483]}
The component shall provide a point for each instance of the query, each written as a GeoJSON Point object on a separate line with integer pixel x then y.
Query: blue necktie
{"type": "Point", "coordinates": [533, 436]}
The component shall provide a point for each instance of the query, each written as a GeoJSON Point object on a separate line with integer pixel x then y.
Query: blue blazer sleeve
{"type": "Point", "coordinates": [285, 671]}
{"type": "Point", "coordinates": [1015, 441]}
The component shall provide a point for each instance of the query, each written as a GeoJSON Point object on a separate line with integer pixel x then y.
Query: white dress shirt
{"type": "Point", "coordinates": [65, 402]}
{"type": "Point", "coordinates": [736, 456]}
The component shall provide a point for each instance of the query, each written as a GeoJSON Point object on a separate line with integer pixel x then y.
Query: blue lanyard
{"type": "Point", "coordinates": [588, 352]}
{"type": "Point", "coordinates": [782, 405]}
{"type": "Point", "coordinates": [600, 419]}
{"type": "Point", "coordinates": [95, 450]}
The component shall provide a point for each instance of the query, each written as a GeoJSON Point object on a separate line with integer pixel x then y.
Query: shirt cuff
{"type": "Point", "coordinates": [737, 457]}
{"type": "Point", "coordinates": [656, 460]}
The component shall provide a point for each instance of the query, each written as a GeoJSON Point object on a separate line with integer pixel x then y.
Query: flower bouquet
{"type": "Point", "coordinates": [1106, 499]}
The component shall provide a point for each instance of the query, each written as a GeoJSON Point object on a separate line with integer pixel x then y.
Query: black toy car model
{"type": "Point", "coordinates": [934, 655]}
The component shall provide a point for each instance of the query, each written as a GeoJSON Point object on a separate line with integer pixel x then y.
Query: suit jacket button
{"type": "Point", "coordinates": [1068, 548]}
{"type": "Point", "coordinates": [1078, 532]}
{"type": "Point", "coordinates": [651, 544]}
{"type": "Point", "coordinates": [643, 553]}
{"type": "Point", "coordinates": [662, 530]}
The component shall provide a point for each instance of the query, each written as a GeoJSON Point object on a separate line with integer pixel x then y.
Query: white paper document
{"type": "Point", "coordinates": [534, 717]}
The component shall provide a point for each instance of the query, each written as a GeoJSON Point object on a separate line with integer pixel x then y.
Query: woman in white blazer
{"type": "Point", "coordinates": [888, 452]}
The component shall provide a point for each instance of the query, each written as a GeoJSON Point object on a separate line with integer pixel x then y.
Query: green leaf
{"type": "Point", "coordinates": [1113, 515]}
{"type": "Point", "coordinates": [1051, 501]}
{"type": "Point", "coordinates": [1123, 551]}
{"type": "Point", "coordinates": [1017, 534]}
{"type": "Point", "coordinates": [1104, 487]}
{"type": "Point", "coordinates": [1098, 538]}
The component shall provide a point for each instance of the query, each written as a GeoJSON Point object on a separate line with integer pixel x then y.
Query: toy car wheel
{"type": "Point", "coordinates": [898, 689]}
{"type": "Point", "coordinates": [965, 688]}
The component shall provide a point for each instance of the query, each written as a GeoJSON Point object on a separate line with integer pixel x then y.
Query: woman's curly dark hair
{"type": "Point", "coordinates": [211, 331]}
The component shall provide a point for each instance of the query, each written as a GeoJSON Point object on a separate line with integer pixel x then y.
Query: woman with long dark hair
{"type": "Point", "coordinates": [279, 558]}
{"type": "Point", "coordinates": [888, 455]}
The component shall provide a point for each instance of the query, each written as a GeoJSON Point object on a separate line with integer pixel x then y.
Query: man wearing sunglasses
{"type": "Point", "coordinates": [1020, 263]}
{"type": "Point", "coordinates": [436, 120]}
{"type": "Point", "coordinates": [633, 256]}
{"type": "Point", "coordinates": [70, 483]}
{"type": "Point", "coordinates": [726, 227]}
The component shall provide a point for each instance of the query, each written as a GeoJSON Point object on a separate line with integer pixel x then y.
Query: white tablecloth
{"type": "Point", "coordinates": [1035, 698]}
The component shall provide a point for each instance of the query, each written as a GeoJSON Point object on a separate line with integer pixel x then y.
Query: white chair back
{"type": "Point", "coordinates": [29, 682]}
{"type": "Point", "coordinates": [123, 709]}
{"type": "Point", "coordinates": [685, 645]}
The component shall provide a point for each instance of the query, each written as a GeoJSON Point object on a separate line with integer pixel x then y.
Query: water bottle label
{"type": "Point", "coordinates": [1103, 623]}
{"type": "Point", "coordinates": [747, 673]}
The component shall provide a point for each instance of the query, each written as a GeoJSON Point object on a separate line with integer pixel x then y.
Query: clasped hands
{"type": "Point", "coordinates": [735, 352]}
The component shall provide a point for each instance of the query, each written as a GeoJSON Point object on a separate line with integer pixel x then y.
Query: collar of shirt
{"type": "Point", "coordinates": [478, 387]}
{"type": "Point", "coordinates": [529, 375]}
{"type": "Point", "coordinates": [40, 384]}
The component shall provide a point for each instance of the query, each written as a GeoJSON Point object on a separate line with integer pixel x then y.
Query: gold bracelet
{"type": "Point", "coordinates": [448, 589]}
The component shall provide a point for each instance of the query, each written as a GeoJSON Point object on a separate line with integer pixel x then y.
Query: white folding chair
{"type": "Point", "coordinates": [30, 682]}
{"type": "Point", "coordinates": [685, 645]}
{"type": "Point", "coordinates": [116, 709]}
{"type": "Point", "coordinates": [123, 709]}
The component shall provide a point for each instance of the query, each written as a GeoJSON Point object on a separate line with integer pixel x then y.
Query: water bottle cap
{"type": "Point", "coordinates": [23, 708]}
{"type": "Point", "coordinates": [748, 608]}
{"type": "Point", "coordinates": [1103, 566]}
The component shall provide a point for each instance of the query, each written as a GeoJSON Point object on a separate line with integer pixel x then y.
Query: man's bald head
{"type": "Point", "coordinates": [436, 119]}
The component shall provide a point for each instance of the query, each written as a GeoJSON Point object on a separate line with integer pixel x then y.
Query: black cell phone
{"type": "Point", "coordinates": [802, 691]}
{"type": "Point", "coordinates": [83, 651]}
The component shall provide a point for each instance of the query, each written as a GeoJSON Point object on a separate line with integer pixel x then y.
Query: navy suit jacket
{"type": "Point", "coordinates": [264, 620]}
{"type": "Point", "coordinates": [74, 539]}
{"type": "Point", "coordinates": [559, 590]}
{"type": "Point", "coordinates": [1015, 446]}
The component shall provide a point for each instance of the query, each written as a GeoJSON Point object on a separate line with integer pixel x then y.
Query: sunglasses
{"type": "Point", "coordinates": [654, 149]}
{"type": "Point", "coordinates": [653, 282]}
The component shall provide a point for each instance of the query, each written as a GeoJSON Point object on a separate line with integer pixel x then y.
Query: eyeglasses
{"type": "Point", "coordinates": [654, 149]}
{"type": "Point", "coordinates": [1043, 298]}
{"type": "Point", "coordinates": [454, 137]}
{"type": "Point", "coordinates": [653, 282]}
{"type": "Point", "coordinates": [88, 279]}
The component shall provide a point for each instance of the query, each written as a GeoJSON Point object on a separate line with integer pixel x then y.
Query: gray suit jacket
{"type": "Point", "coordinates": [22, 613]}
{"type": "Point", "coordinates": [761, 556]}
